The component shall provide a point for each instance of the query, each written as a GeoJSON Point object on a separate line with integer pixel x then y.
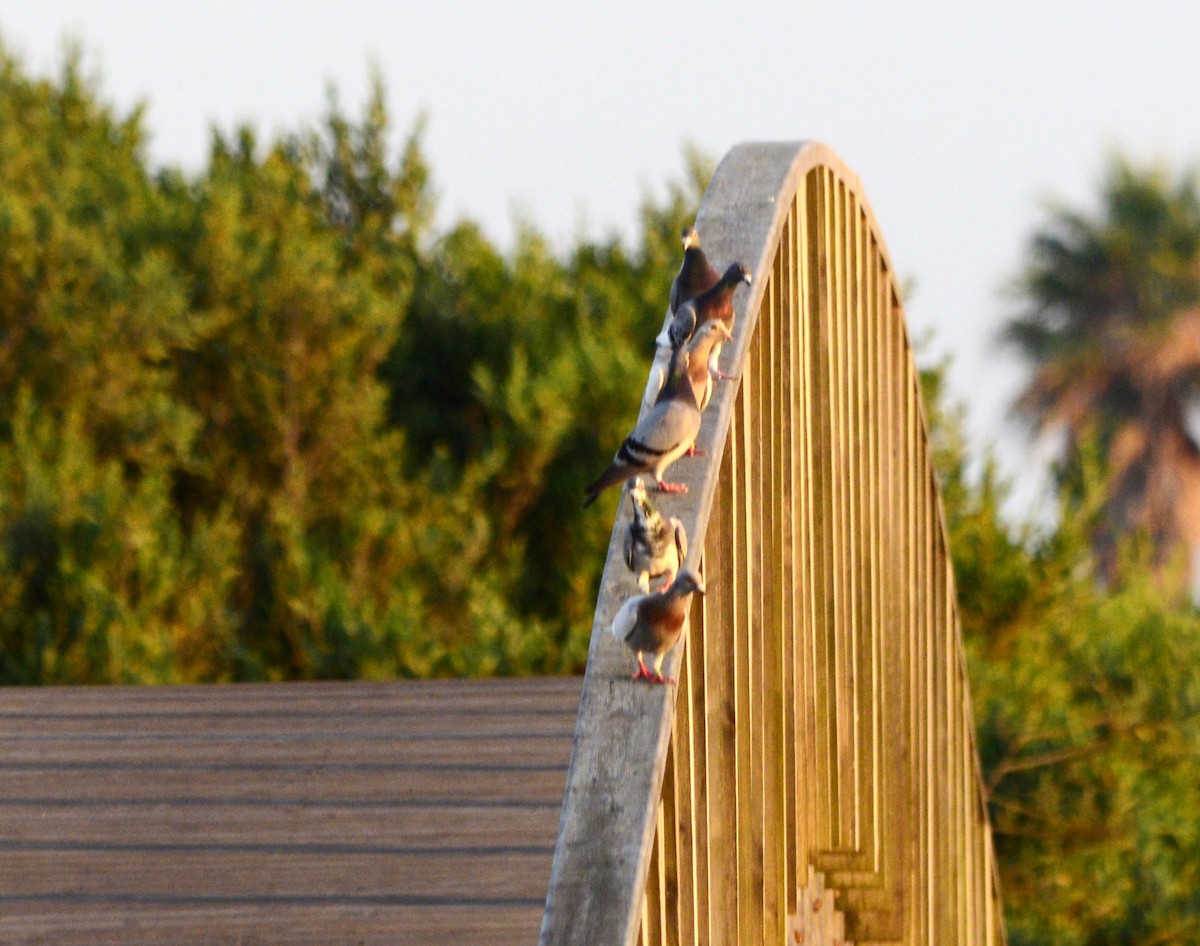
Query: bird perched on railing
{"type": "Point", "coordinates": [712, 304]}
{"type": "Point", "coordinates": [695, 276]}
{"type": "Point", "coordinates": [660, 438]}
{"type": "Point", "coordinates": [695, 272]}
{"type": "Point", "coordinates": [698, 348]}
{"type": "Point", "coordinates": [652, 623]}
{"type": "Point", "coordinates": [654, 547]}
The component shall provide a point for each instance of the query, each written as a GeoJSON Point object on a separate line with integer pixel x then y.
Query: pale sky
{"type": "Point", "coordinates": [960, 118]}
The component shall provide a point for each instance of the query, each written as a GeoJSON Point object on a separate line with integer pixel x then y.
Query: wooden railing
{"type": "Point", "coordinates": [814, 777]}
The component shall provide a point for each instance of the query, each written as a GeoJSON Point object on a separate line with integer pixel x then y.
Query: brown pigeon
{"type": "Point", "coordinates": [699, 348]}
{"type": "Point", "coordinates": [714, 303]}
{"type": "Point", "coordinates": [651, 624]}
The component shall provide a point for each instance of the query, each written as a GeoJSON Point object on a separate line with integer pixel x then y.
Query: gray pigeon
{"type": "Point", "coordinates": [695, 273]}
{"type": "Point", "coordinates": [654, 547]}
{"type": "Point", "coordinates": [660, 438]}
{"type": "Point", "coordinates": [652, 623]}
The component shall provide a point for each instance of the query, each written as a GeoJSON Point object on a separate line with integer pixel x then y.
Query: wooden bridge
{"type": "Point", "coordinates": [812, 779]}
{"type": "Point", "coordinates": [821, 737]}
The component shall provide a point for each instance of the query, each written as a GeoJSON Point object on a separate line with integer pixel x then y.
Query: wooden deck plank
{"type": "Point", "coordinates": [281, 813]}
{"type": "Point", "coordinates": [481, 785]}
{"type": "Point", "coordinates": [271, 923]}
{"type": "Point", "coordinates": [400, 828]}
{"type": "Point", "coordinates": [248, 871]}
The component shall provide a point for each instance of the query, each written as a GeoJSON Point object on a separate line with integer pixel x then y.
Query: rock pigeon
{"type": "Point", "coordinates": [714, 303]}
{"type": "Point", "coordinates": [699, 348]}
{"type": "Point", "coordinates": [660, 438]}
{"type": "Point", "coordinates": [654, 547]}
{"type": "Point", "coordinates": [652, 623]}
{"type": "Point", "coordinates": [695, 274]}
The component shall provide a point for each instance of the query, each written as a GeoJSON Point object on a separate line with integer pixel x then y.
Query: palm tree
{"type": "Point", "coordinates": [1111, 327]}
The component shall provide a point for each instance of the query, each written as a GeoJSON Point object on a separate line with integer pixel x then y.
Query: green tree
{"type": "Point", "coordinates": [386, 426]}
{"type": "Point", "coordinates": [514, 379]}
{"type": "Point", "coordinates": [1087, 712]}
{"type": "Point", "coordinates": [1111, 328]}
{"type": "Point", "coordinates": [90, 304]}
{"type": "Point", "coordinates": [100, 582]}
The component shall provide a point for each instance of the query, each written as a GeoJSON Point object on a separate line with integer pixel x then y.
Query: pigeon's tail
{"type": "Point", "coordinates": [614, 474]}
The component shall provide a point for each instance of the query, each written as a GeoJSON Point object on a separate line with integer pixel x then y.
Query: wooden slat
{"type": "Point", "coordinates": [286, 813]}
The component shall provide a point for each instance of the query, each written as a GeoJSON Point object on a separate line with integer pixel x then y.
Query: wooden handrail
{"type": "Point", "coordinates": [818, 755]}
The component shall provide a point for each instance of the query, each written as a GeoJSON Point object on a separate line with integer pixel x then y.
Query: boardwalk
{"type": "Point", "coordinates": [331, 813]}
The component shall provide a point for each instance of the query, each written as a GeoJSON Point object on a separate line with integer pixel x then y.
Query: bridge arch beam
{"type": "Point", "coordinates": [821, 734]}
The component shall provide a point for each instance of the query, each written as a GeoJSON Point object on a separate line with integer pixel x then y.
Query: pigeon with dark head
{"type": "Point", "coordinates": [654, 547]}
{"type": "Point", "coordinates": [713, 304]}
{"type": "Point", "coordinates": [653, 623]}
{"type": "Point", "coordinates": [695, 273]}
{"type": "Point", "coordinates": [660, 438]}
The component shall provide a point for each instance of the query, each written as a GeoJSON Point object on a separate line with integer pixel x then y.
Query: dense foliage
{"type": "Point", "coordinates": [267, 421]}
{"type": "Point", "coordinates": [1087, 707]}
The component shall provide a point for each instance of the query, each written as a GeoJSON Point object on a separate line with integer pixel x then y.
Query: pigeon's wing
{"type": "Point", "coordinates": [669, 423]}
{"type": "Point", "coordinates": [682, 325]}
{"type": "Point", "coordinates": [655, 382]}
{"type": "Point", "coordinates": [627, 618]}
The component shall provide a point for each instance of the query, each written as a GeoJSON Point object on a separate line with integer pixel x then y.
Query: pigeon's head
{"type": "Point", "coordinates": [707, 335]}
{"type": "Point", "coordinates": [691, 237]}
{"type": "Point", "coordinates": [737, 273]}
{"type": "Point", "coordinates": [688, 582]}
{"type": "Point", "coordinates": [638, 497]}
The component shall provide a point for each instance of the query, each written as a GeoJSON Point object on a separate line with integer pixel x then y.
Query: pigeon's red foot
{"type": "Point", "coordinates": [665, 487]}
{"type": "Point", "coordinates": [693, 452]}
{"type": "Point", "coordinates": [642, 672]}
{"type": "Point", "coordinates": [651, 677]}
{"type": "Point", "coordinates": [722, 376]}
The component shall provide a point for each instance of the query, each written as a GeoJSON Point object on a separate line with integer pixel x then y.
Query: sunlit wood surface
{"type": "Point", "coordinates": [326, 813]}
{"type": "Point", "coordinates": [818, 755]}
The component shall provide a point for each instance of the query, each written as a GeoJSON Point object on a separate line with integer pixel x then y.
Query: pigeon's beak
{"type": "Point", "coordinates": [747, 278]}
{"type": "Point", "coordinates": [725, 333]}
